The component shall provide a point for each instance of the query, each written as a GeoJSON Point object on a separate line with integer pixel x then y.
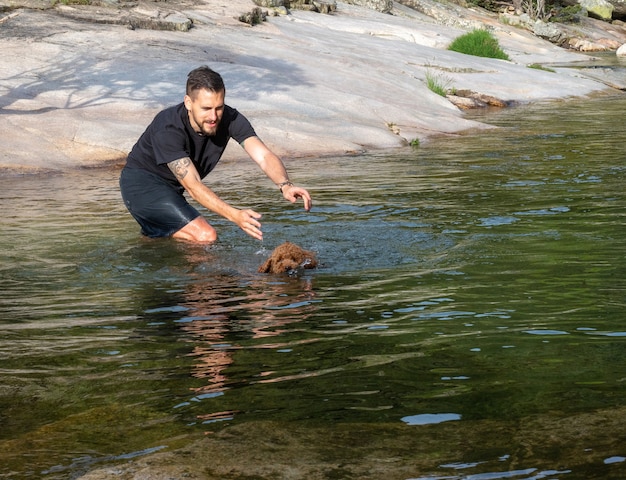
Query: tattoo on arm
{"type": "Point", "coordinates": [180, 167]}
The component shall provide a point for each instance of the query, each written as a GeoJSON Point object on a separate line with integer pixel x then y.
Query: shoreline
{"type": "Point", "coordinates": [79, 94]}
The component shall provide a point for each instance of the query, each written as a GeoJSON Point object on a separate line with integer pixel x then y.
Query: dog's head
{"type": "Point", "coordinates": [288, 257]}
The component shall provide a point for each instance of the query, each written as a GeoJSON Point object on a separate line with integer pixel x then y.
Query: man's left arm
{"type": "Point", "coordinates": [275, 170]}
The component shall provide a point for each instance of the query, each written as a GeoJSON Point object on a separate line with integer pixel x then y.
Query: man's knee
{"type": "Point", "coordinates": [198, 230]}
{"type": "Point", "coordinates": [206, 236]}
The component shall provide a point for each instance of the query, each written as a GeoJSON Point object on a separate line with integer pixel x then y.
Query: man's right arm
{"type": "Point", "coordinates": [187, 175]}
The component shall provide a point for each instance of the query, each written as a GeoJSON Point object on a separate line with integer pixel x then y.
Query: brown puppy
{"type": "Point", "coordinates": [288, 257]}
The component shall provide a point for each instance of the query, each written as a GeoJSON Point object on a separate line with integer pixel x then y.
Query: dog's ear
{"type": "Point", "coordinates": [266, 267]}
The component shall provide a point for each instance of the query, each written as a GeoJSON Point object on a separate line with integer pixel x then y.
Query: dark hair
{"type": "Point", "coordinates": [203, 78]}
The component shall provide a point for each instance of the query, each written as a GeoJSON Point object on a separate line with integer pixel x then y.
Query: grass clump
{"type": "Point", "coordinates": [438, 83]}
{"type": "Point", "coordinates": [537, 66]}
{"type": "Point", "coordinates": [479, 43]}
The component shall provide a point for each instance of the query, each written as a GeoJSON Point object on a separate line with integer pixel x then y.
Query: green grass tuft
{"type": "Point", "coordinates": [537, 66]}
{"type": "Point", "coordinates": [438, 83]}
{"type": "Point", "coordinates": [479, 43]}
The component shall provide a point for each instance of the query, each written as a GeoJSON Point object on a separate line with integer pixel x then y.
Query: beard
{"type": "Point", "coordinates": [210, 129]}
{"type": "Point", "coordinates": [204, 128]}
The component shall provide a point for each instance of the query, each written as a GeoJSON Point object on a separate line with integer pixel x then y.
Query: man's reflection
{"type": "Point", "coordinates": [232, 313]}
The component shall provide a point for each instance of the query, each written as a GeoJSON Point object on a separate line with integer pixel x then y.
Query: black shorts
{"type": "Point", "coordinates": [159, 208]}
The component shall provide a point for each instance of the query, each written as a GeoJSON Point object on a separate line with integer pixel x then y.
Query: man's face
{"type": "Point", "coordinates": [205, 110]}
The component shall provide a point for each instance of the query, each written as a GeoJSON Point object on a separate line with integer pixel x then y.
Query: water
{"type": "Point", "coordinates": [467, 320]}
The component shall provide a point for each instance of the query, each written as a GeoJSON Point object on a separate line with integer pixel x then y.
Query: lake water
{"type": "Point", "coordinates": [467, 321]}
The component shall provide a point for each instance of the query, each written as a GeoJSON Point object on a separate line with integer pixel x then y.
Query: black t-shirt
{"type": "Point", "coordinates": [170, 137]}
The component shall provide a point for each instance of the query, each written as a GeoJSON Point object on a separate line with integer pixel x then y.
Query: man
{"type": "Point", "coordinates": [178, 149]}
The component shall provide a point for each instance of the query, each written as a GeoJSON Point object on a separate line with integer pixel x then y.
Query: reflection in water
{"type": "Point", "coordinates": [215, 315]}
{"type": "Point", "coordinates": [466, 321]}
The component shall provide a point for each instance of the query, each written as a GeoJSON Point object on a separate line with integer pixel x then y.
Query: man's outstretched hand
{"type": "Point", "coordinates": [292, 193]}
{"type": "Point", "coordinates": [248, 221]}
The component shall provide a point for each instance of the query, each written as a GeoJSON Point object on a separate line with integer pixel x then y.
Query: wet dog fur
{"type": "Point", "coordinates": [288, 257]}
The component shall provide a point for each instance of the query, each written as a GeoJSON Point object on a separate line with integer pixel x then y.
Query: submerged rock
{"type": "Point", "coordinates": [267, 450]}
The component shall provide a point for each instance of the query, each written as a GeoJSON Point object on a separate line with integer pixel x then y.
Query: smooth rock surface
{"type": "Point", "coordinates": [78, 89]}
